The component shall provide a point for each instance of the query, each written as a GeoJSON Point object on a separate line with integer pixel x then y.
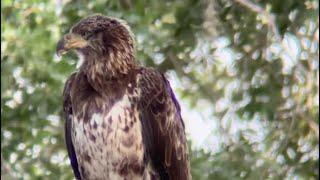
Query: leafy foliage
{"type": "Point", "coordinates": [255, 63]}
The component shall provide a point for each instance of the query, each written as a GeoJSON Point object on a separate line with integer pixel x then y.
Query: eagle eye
{"type": "Point", "coordinates": [89, 35]}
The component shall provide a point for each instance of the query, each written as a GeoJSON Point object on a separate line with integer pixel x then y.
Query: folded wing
{"type": "Point", "coordinates": [163, 127]}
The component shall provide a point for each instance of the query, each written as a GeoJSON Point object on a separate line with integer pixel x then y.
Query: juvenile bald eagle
{"type": "Point", "coordinates": [122, 121]}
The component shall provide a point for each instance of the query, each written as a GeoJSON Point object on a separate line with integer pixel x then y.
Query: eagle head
{"type": "Point", "coordinates": [103, 42]}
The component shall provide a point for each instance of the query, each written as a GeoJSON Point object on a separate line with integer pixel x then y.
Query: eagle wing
{"type": "Point", "coordinates": [68, 113]}
{"type": "Point", "coordinates": [163, 127]}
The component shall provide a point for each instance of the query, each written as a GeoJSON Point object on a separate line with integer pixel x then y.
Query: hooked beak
{"type": "Point", "coordinates": [68, 42]}
{"type": "Point", "coordinates": [60, 48]}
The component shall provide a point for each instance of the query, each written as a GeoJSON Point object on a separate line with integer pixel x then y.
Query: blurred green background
{"type": "Point", "coordinates": [249, 68]}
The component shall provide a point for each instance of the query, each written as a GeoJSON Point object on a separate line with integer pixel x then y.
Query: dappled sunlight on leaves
{"type": "Point", "coordinates": [245, 71]}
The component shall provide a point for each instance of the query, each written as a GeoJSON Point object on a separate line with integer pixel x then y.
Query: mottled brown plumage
{"type": "Point", "coordinates": [122, 120]}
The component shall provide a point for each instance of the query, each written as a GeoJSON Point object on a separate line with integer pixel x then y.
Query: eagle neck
{"type": "Point", "coordinates": [103, 70]}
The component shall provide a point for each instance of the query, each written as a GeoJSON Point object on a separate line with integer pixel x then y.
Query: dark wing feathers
{"type": "Point", "coordinates": [163, 128]}
{"type": "Point", "coordinates": [67, 108]}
